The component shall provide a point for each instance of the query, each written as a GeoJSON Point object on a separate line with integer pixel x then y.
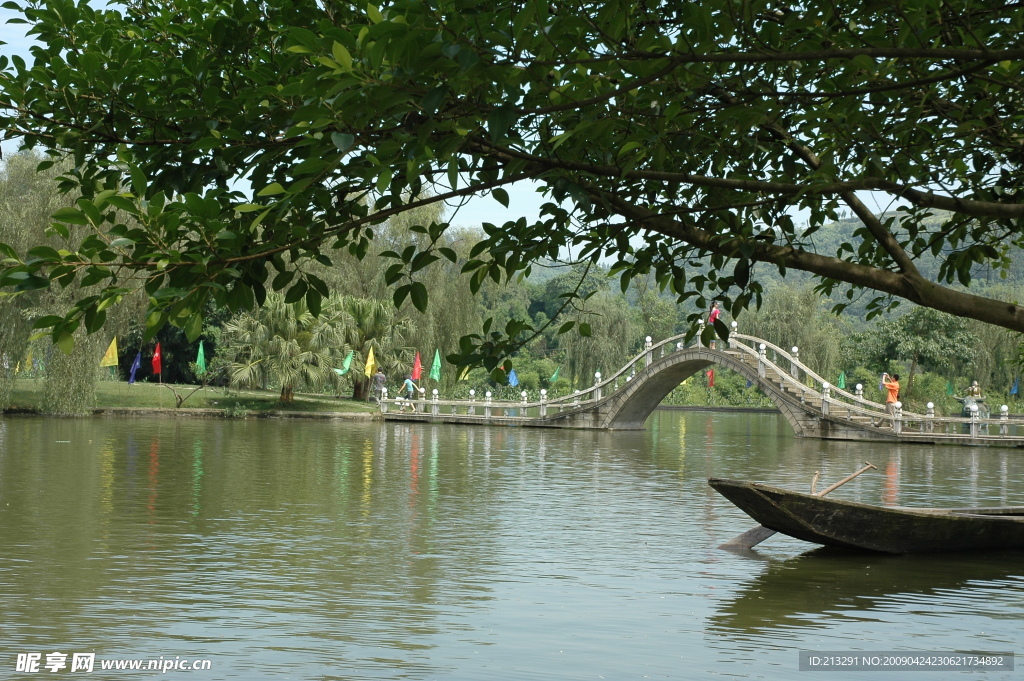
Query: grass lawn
{"type": "Point", "coordinates": [28, 394]}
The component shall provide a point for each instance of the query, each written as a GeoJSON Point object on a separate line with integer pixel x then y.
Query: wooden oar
{"type": "Point", "coordinates": [755, 536]}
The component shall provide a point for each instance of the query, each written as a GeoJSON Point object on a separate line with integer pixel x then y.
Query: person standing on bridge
{"type": "Point", "coordinates": [713, 317]}
{"type": "Point", "coordinates": [410, 391]}
{"type": "Point", "coordinates": [892, 394]}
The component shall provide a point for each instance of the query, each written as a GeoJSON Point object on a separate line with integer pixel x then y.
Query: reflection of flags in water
{"type": "Point", "coordinates": [1015, 390]}
{"type": "Point", "coordinates": [513, 380]}
{"type": "Point", "coordinates": [842, 381]}
{"type": "Point", "coordinates": [135, 366]}
{"type": "Point", "coordinates": [711, 378]}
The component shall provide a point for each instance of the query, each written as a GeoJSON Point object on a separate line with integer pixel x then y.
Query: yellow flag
{"type": "Point", "coordinates": [110, 356]}
{"type": "Point", "coordinates": [371, 364]}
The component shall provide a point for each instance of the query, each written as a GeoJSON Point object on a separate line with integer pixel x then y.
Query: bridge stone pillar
{"type": "Point", "coordinates": [928, 425]}
{"type": "Point", "coordinates": [825, 390]}
{"type": "Point", "coordinates": [647, 351]}
{"type": "Point", "coordinates": [597, 384]}
{"type": "Point", "coordinates": [897, 418]}
{"type": "Point", "coordinates": [543, 402]}
{"type": "Point", "coordinates": [1004, 420]}
{"type": "Point", "coordinates": [794, 370]}
{"type": "Point", "coordinates": [761, 359]}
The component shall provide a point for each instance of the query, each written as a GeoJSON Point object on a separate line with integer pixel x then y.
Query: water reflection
{"type": "Point", "coordinates": [350, 550]}
{"type": "Point", "coordinates": [818, 589]}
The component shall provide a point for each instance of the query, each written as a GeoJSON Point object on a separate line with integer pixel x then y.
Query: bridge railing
{"type": "Point", "coordinates": [787, 364]}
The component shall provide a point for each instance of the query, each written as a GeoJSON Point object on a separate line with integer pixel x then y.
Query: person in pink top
{"type": "Point", "coordinates": [715, 314]}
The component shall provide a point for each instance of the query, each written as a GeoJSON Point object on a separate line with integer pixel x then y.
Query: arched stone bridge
{"type": "Point", "coordinates": [810, 404]}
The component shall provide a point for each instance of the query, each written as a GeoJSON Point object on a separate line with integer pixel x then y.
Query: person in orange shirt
{"type": "Point", "coordinates": [892, 394]}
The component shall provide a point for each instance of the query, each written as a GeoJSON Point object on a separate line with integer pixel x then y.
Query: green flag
{"type": "Point", "coordinates": [554, 376]}
{"type": "Point", "coordinates": [435, 368]}
{"type": "Point", "coordinates": [200, 361]}
{"type": "Point", "coordinates": [842, 381]}
{"type": "Point", "coordinates": [949, 388]}
{"type": "Point", "coordinates": [346, 365]}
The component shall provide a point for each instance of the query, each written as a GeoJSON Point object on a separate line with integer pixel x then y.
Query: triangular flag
{"type": "Point", "coordinates": [711, 378]}
{"type": "Point", "coordinates": [949, 388]}
{"type": "Point", "coordinates": [110, 356]}
{"type": "Point", "coordinates": [435, 368]}
{"type": "Point", "coordinates": [842, 381]}
{"type": "Point", "coordinates": [513, 380]}
{"type": "Point", "coordinates": [346, 365]}
{"type": "Point", "coordinates": [135, 367]}
{"type": "Point", "coordinates": [417, 368]}
{"type": "Point", "coordinates": [1015, 390]}
{"type": "Point", "coordinates": [371, 363]}
{"type": "Point", "coordinates": [554, 376]}
{"type": "Point", "coordinates": [200, 360]}
{"type": "Point", "coordinates": [157, 360]}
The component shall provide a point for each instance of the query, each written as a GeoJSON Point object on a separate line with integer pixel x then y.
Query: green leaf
{"type": "Point", "coordinates": [271, 190]}
{"type": "Point", "coordinates": [342, 141]}
{"type": "Point", "coordinates": [501, 195]}
{"type": "Point", "coordinates": [65, 342]}
{"type": "Point", "coordinates": [72, 215]}
{"type": "Point", "coordinates": [418, 293]}
{"type": "Point", "coordinates": [193, 327]}
{"type": "Point", "coordinates": [296, 292]}
{"type": "Point", "coordinates": [374, 14]}
{"type": "Point", "coordinates": [342, 56]}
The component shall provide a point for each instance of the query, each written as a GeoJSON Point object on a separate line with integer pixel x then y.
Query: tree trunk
{"type": "Point", "coordinates": [359, 386]}
{"type": "Point", "coordinates": [287, 394]}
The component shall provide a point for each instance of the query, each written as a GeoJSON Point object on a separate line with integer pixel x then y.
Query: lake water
{"type": "Point", "coordinates": [294, 549]}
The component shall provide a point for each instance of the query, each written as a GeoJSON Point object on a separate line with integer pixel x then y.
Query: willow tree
{"type": "Point", "coordinates": [27, 199]}
{"type": "Point", "coordinates": [661, 131]}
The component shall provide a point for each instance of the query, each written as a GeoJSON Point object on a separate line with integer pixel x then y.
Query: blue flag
{"type": "Point", "coordinates": [1015, 390]}
{"type": "Point", "coordinates": [513, 380]}
{"type": "Point", "coordinates": [135, 366]}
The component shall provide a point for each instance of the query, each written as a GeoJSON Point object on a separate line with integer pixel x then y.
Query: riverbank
{"type": "Point", "coordinates": [147, 399]}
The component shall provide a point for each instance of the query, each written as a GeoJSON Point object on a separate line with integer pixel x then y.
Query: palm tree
{"type": "Point", "coordinates": [373, 323]}
{"type": "Point", "coordinates": [284, 344]}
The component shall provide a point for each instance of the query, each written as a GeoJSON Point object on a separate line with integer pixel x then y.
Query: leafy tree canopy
{"type": "Point", "coordinates": [661, 131]}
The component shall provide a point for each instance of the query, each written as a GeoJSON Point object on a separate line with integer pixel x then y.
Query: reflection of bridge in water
{"type": "Point", "coordinates": [812, 406]}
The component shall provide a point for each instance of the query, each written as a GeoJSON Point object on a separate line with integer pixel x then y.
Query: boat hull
{"type": "Point", "coordinates": [887, 529]}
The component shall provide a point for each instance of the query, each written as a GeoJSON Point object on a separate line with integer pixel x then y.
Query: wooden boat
{"type": "Point", "coordinates": [889, 529]}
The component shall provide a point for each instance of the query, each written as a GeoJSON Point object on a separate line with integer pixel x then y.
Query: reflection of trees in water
{"type": "Point", "coordinates": [239, 525]}
{"type": "Point", "coordinates": [816, 589]}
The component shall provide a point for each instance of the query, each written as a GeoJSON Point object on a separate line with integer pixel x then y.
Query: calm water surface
{"type": "Point", "coordinates": [281, 549]}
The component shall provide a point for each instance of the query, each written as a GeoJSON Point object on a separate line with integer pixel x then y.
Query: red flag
{"type": "Point", "coordinates": [156, 360]}
{"type": "Point", "coordinates": [711, 378]}
{"type": "Point", "coordinates": [417, 368]}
